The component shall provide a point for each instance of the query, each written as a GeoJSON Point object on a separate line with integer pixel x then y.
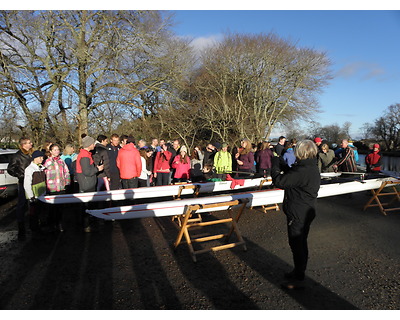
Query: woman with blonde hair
{"type": "Point", "coordinates": [245, 158]}
{"type": "Point", "coordinates": [301, 183]}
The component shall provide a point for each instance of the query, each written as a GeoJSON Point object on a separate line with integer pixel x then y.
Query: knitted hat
{"type": "Point", "coordinates": [376, 146]}
{"type": "Point", "coordinates": [87, 142]}
{"type": "Point", "coordinates": [37, 154]}
{"type": "Point", "coordinates": [317, 139]}
{"type": "Point", "coordinates": [224, 145]}
{"type": "Point", "coordinates": [183, 148]}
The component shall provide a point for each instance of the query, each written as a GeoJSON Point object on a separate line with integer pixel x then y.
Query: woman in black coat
{"type": "Point", "coordinates": [301, 183]}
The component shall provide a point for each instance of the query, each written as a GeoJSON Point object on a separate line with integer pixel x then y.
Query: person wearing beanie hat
{"type": "Point", "coordinates": [87, 142]}
{"type": "Point", "coordinates": [35, 186]}
{"type": "Point", "coordinates": [373, 159]}
{"type": "Point", "coordinates": [86, 174]}
{"type": "Point", "coordinates": [181, 164]}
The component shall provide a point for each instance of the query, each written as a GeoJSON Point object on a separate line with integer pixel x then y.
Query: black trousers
{"type": "Point", "coordinates": [130, 183]}
{"type": "Point", "coordinates": [298, 229]}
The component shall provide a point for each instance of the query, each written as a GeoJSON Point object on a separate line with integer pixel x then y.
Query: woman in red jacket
{"type": "Point", "coordinates": [373, 160]}
{"type": "Point", "coordinates": [162, 167]}
{"type": "Point", "coordinates": [181, 164]}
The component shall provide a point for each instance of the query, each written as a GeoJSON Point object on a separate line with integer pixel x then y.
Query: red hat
{"type": "Point", "coordinates": [317, 139]}
{"type": "Point", "coordinates": [376, 145]}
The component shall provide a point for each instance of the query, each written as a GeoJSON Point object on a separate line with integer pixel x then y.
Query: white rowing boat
{"type": "Point", "coordinates": [156, 192]}
{"type": "Point", "coordinates": [256, 198]}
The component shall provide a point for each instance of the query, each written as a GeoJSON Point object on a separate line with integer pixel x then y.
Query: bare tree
{"type": "Point", "coordinates": [252, 82]}
{"type": "Point", "coordinates": [387, 127]}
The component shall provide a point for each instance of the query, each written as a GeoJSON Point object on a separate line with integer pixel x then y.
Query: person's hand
{"type": "Point", "coordinates": [240, 163]}
{"type": "Point", "coordinates": [100, 168]}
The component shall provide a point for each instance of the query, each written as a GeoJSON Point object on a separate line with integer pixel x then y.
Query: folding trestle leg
{"type": "Point", "coordinates": [185, 226]}
{"type": "Point", "coordinates": [378, 193]}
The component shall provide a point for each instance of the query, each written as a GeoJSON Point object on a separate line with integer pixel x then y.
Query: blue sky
{"type": "Point", "coordinates": [364, 47]}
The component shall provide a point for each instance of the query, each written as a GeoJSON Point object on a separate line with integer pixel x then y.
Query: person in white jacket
{"type": "Point", "coordinates": [144, 178]}
{"type": "Point", "coordinates": [35, 186]}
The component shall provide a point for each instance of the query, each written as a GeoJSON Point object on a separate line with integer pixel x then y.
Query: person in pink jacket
{"type": "Point", "coordinates": [129, 164]}
{"type": "Point", "coordinates": [181, 164]}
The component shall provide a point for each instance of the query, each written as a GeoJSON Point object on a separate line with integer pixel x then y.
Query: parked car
{"type": "Point", "coordinates": [8, 184]}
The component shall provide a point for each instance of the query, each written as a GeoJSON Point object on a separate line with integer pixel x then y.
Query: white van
{"type": "Point", "coordinates": [8, 184]}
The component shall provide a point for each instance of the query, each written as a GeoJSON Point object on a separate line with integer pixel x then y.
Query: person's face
{"type": "Point", "coordinates": [55, 152]}
{"type": "Point", "coordinates": [344, 144]}
{"type": "Point", "coordinates": [91, 147]}
{"type": "Point", "coordinates": [243, 144]}
{"type": "Point", "coordinates": [376, 149]}
{"type": "Point", "coordinates": [318, 143]}
{"type": "Point", "coordinates": [38, 160]}
{"type": "Point", "coordinates": [123, 142]}
{"type": "Point", "coordinates": [324, 150]}
{"type": "Point", "coordinates": [282, 141]}
{"type": "Point", "coordinates": [225, 149]}
{"type": "Point", "coordinates": [175, 144]}
{"type": "Point", "coordinates": [162, 143]}
{"type": "Point", "coordinates": [115, 141]}
{"type": "Point", "coordinates": [104, 142]}
{"type": "Point", "coordinates": [27, 145]}
{"type": "Point", "coordinates": [155, 142]}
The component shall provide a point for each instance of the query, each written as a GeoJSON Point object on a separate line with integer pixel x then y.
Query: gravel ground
{"type": "Point", "coordinates": [130, 265]}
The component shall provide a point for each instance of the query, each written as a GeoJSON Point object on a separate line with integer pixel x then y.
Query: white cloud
{"type": "Point", "coordinates": [201, 43]}
{"type": "Point", "coordinates": [364, 70]}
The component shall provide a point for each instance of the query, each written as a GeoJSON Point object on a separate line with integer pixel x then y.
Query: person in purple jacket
{"type": "Point", "coordinates": [263, 159]}
{"type": "Point", "coordinates": [245, 159]}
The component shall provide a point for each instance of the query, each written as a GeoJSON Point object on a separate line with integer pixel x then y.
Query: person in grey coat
{"type": "Point", "coordinates": [326, 159]}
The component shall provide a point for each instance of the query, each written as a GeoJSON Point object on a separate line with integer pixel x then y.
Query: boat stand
{"type": "Point", "coordinates": [275, 206]}
{"type": "Point", "coordinates": [233, 220]}
{"type": "Point", "coordinates": [196, 190]}
{"type": "Point", "coordinates": [379, 193]}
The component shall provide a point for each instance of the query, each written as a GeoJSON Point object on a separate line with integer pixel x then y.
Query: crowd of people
{"type": "Point", "coordinates": [118, 162]}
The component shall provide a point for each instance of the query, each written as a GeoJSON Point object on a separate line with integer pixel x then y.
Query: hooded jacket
{"type": "Point", "coordinates": [34, 181]}
{"type": "Point", "coordinates": [129, 162]}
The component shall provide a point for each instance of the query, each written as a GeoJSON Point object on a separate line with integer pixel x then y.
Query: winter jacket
{"type": "Point", "coordinates": [18, 163]}
{"type": "Point", "coordinates": [347, 162]}
{"type": "Point", "coordinates": [101, 157]}
{"type": "Point", "coordinates": [112, 157]}
{"type": "Point", "coordinates": [263, 159]}
{"type": "Point", "coordinates": [69, 159]}
{"type": "Point", "coordinates": [326, 161]}
{"type": "Point", "coordinates": [182, 170]}
{"type": "Point", "coordinates": [279, 149]}
{"type": "Point", "coordinates": [196, 166]}
{"type": "Point", "coordinates": [86, 171]}
{"type": "Point", "coordinates": [373, 161]}
{"type": "Point", "coordinates": [144, 174]}
{"type": "Point", "coordinates": [289, 157]}
{"type": "Point", "coordinates": [222, 162]}
{"type": "Point", "coordinates": [34, 181]}
{"type": "Point", "coordinates": [161, 162]}
{"type": "Point", "coordinates": [248, 161]}
{"type": "Point", "coordinates": [129, 162]}
{"type": "Point", "coordinates": [57, 174]}
{"type": "Point", "coordinates": [301, 183]}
